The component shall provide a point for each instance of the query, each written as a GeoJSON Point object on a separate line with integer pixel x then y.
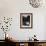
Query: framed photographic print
{"type": "Point", "coordinates": [26, 20]}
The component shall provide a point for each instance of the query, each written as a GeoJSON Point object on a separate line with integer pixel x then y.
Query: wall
{"type": "Point", "coordinates": [13, 8]}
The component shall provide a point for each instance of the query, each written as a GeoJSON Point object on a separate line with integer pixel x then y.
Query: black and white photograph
{"type": "Point", "coordinates": [26, 20]}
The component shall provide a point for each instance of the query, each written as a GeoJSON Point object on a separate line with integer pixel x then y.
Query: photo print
{"type": "Point", "coordinates": [26, 20]}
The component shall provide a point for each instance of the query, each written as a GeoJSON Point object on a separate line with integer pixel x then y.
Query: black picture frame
{"type": "Point", "coordinates": [26, 20]}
